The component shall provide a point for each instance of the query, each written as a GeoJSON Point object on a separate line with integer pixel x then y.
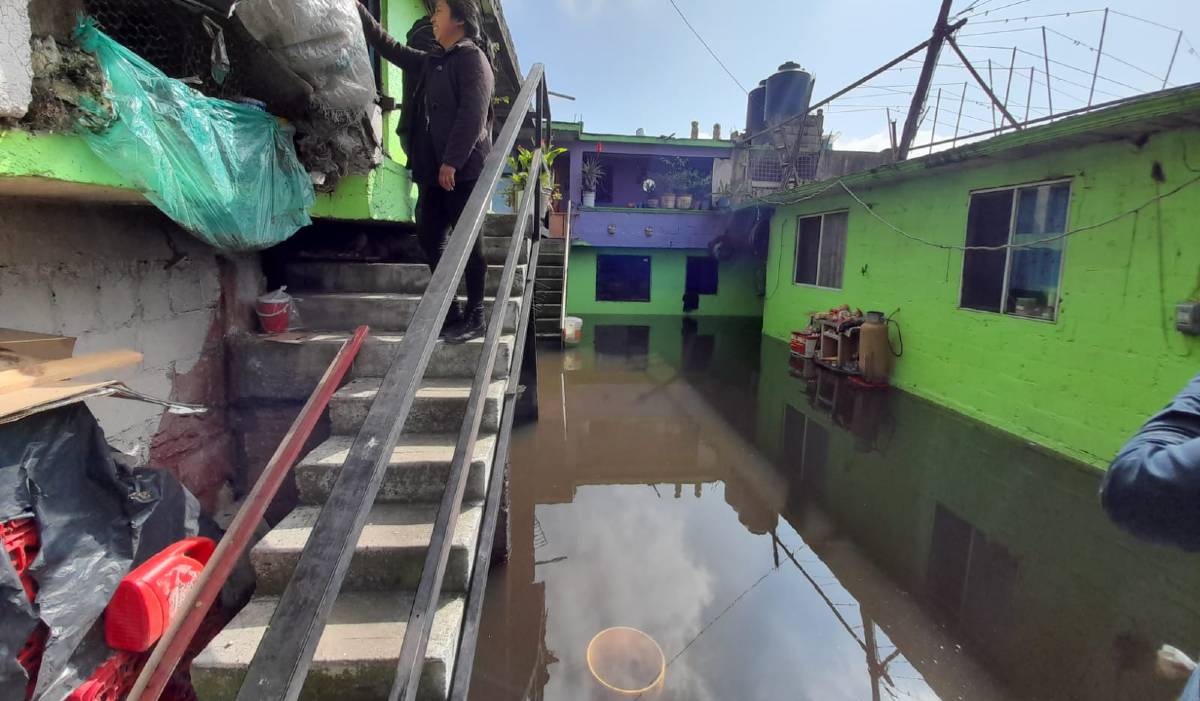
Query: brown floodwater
{"type": "Point", "coordinates": [780, 533]}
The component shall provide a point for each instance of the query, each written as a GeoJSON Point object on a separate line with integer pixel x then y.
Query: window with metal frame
{"type": "Point", "coordinates": [1022, 275]}
{"type": "Point", "coordinates": [622, 278]}
{"type": "Point", "coordinates": [821, 250]}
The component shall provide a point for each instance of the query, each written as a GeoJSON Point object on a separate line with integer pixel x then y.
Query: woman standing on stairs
{"type": "Point", "coordinates": [452, 138]}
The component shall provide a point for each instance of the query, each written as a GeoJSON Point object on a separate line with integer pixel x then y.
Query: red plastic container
{"type": "Point", "coordinates": [144, 602]}
{"type": "Point", "coordinates": [112, 681]}
{"type": "Point", "coordinates": [20, 540]}
{"type": "Point", "coordinates": [275, 311]}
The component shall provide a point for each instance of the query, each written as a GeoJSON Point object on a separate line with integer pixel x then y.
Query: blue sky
{"type": "Point", "coordinates": [633, 63]}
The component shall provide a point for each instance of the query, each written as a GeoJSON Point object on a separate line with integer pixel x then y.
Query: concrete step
{"type": "Point", "coordinates": [355, 658]}
{"type": "Point", "coordinates": [550, 259]}
{"type": "Point", "coordinates": [417, 471]}
{"type": "Point", "coordinates": [439, 406]}
{"type": "Point", "coordinates": [287, 367]}
{"type": "Point", "coordinates": [389, 555]}
{"type": "Point", "coordinates": [541, 297]}
{"type": "Point", "coordinates": [412, 278]}
{"type": "Point", "coordinates": [548, 327]}
{"type": "Point", "coordinates": [549, 272]}
{"type": "Point", "coordinates": [548, 311]}
{"type": "Point", "coordinates": [383, 312]}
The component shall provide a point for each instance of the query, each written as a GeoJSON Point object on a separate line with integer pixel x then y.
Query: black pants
{"type": "Point", "coordinates": [437, 213]}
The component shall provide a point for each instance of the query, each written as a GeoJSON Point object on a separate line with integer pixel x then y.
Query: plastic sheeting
{"type": "Point", "coordinates": [322, 41]}
{"type": "Point", "coordinates": [96, 520]}
{"type": "Point", "coordinates": [226, 172]}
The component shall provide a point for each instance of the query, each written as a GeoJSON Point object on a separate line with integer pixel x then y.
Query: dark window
{"type": "Point", "coordinates": [702, 275]}
{"type": "Point", "coordinates": [821, 250]}
{"type": "Point", "coordinates": [1018, 281]}
{"type": "Point", "coordinates": [622, 278]}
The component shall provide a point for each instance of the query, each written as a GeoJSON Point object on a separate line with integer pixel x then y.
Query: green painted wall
{"type": "Point", "coordinates": [386, 194]}
{"type": "Point", "coordinates": [1081, 385]}
{"type": "Point", "coordinates": [736, 287]}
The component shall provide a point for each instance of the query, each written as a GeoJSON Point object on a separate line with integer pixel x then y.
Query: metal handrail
{"type": "Point", "coordinates": [284, 656]}
{"type": "Point", "coordinates": [562, 309]}
{"type": "Point", "coordinates": [420, 622]}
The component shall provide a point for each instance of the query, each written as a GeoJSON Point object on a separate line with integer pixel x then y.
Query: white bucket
{"type": "Point", "coordinates": [573, 331]}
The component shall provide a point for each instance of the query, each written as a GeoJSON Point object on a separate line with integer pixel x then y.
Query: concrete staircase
{"type": "Point", "coordinates": [548, 289]}
{"type": "Point", "coordinates": [358, 652]}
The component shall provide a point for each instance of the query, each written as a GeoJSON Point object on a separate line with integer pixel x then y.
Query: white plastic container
{"type": "Point", "coordinates": [573, 331]}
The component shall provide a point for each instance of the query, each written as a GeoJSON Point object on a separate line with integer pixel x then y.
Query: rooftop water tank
{"type": "Point", "coordinates": [756, 109]}
{"type": "Point", "coordinates": [789, 93]}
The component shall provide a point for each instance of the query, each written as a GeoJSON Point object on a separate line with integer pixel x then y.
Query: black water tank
{"type": "Point", "coordinates": [756, 109]}
{"type": "Point", "coordinates": [789, 93]}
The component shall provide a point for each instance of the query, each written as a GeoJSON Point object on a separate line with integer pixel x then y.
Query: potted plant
{"type": "Point", "coordinates": [592, 173]}
{"type": "Point", "coordinates": [520, 166]}
{"type": "Point", "coordinates": [650, 187]}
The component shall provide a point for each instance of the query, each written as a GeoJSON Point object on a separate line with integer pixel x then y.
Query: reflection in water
{"type": "Point", "coordinates": [782, 533]}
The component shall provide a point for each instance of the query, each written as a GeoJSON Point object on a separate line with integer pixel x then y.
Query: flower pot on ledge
{"type": "Point", "coordinates": [589, 199]}
{"type": "Point", "coordinates": [667, 201]}
{"type": "Point", "coordinates": [683, 202]}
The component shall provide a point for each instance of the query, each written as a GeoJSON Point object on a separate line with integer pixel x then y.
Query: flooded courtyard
{"type": "Point", "coordinates": [783, 534]}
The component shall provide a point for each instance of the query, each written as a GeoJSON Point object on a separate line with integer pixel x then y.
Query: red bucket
{"type": "Point", "coordinates": [275, 311]}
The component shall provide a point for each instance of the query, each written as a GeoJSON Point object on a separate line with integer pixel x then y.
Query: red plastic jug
{"type": "Point", "coordinates": [145, 600]}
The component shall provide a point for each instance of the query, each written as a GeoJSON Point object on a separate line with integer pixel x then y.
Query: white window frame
{"type": "Point", "coordinates": [820, 247]}
{"type": "Point", "coordinates": [1008, 254]}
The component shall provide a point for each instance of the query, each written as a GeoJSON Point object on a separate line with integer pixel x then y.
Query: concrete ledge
{"type": "Point", "coordinates": [345, 311]}
{"type": "Point", "coordinates": [408, 278]}
{"type": "Point", "coordinates": [389, 555]}
{"type": "Point", "coordinates": [355, 658]}
{"type": "Point", "coordinates": [438, 408]}
{"type": "Point", "coordinates": [266, 368]}
{"type": "Point", "coordinates": [417, 472]}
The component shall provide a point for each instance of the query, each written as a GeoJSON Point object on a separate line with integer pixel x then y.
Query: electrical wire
{"type": "Point", "coordinates": [1108, 55]}
{"type": "Point", "coordinates": [1059, 63]}
{"type": "Point", "coordinates": [709, 48]}
{"type": "Point", "coordinates": [1033, 17]}
{"type": "Point", "coordinates": [997, 9]}
{"type": "Point", "coordinates": [1014, 246]}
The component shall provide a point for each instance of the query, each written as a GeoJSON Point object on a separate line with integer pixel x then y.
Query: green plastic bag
{"type": "Point", "coordinates": [226, 172]}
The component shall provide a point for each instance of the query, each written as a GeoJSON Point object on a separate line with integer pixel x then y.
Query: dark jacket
{"type": "Point", "coordinates": [1153, 487]}
{"type": "Point", "coordinates": [459, 85]}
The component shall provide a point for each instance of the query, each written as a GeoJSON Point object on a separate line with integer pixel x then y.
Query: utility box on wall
{"type": "Point", "coordinates": [1187, 318]}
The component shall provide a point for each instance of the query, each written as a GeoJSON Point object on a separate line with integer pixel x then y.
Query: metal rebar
{"type": "Point", "coordinates": [1099, 55]}
{"type": "Point", "coordinates": [937, 110]}
{"type": "Point", "coordinates": [1046, 55]}
{"type": "Point", "coordinates": [1174, 55]}
{"type": "Point", "coordinates": [958, 122]}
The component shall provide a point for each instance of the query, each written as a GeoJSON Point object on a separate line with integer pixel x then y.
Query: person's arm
{"type": "Point", "coordinates": [478, 84]}
{"type": "Point", "coordinates": [1153, 486]}
{"type": "Point", "coordinates": [395, 52]}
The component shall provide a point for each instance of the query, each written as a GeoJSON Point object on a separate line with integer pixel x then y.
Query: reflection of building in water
{"type": "Point", "coordinates": [1001, 540]}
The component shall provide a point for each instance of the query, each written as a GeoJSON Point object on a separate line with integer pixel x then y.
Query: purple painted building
{"type": "Point", "coordinates": [623, 216]}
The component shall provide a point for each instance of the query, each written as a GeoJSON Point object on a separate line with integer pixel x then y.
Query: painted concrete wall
{"type": "Point", "coordinates": [737, 287]}
{"type": "Point", "coordinates": [127, 277]}
{"type": "Point", "coordinates": [667, 229]}
{"type": "Point", "coordinates": [1081, 385]}
{"type": "Point", "coordinates": [16, 73]}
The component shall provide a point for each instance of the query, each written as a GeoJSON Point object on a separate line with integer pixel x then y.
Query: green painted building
{"type": "Point", "coordinates": [1058, 325]}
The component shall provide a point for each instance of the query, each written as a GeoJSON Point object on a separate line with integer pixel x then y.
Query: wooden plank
{"type": "Point", "coordinates": [56, 370]}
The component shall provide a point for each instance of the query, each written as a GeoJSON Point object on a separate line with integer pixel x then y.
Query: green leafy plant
{"type": "Point", "coordinates": [675, 174]}
{"type": "Point", "coordinates": [521, 164]}
{"type": "Point", "coordinates": [592, 173]}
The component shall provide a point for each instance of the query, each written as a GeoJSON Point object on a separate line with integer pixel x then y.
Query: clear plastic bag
{"type": "Point", "coordinates": [322, 41]}
{"type": "Point", "coordinates": [226, 172]}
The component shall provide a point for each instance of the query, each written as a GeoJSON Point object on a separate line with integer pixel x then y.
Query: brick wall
{"type": "Point", "coordinates": [127, 277]}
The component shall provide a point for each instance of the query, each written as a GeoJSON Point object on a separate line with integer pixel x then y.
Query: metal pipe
{"type": "Point", "coordinates": [1174, 55]}
{"type": "Point", "coordinates": [1011, 67]}
{"type": "Point", "coordinates": [173, 645]}
{"type": "Point", "coordinates": [1099, 55]}
{"type": "Point", "coordinates": [958, 122]}
{"type": "Point", "coordinates": [1029, 97]}
{"type": "Point", "coordinates": [1049, 89]}
{"type": "Point", "coordinates": [937, 110]}
{"type": "Point", "coordinates": [979, 79]}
